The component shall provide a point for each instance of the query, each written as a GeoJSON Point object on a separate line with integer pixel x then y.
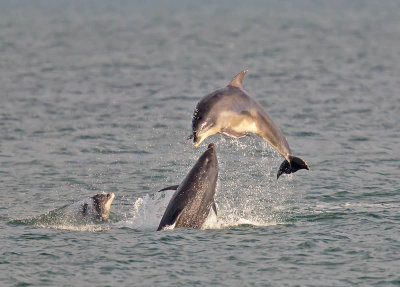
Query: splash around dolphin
{"type": "Point", "coordinates": [96, 207]}
{"type": "Point", "coordinates": [191, 203]}
{"type": "Point", "coordinates": [232, 112]}
{"type": "Point", "coordinates": [89, 210]}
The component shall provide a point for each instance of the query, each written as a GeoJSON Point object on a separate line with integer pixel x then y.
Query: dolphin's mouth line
{"type": "Point", "coordinates": [203, 125]}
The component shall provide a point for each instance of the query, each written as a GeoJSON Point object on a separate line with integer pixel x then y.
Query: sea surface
{"type": "Point", "coordinates": [99, 95]}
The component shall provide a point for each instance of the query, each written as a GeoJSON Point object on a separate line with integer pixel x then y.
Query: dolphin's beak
{"type": "Point", "coordinates": [197, 141]}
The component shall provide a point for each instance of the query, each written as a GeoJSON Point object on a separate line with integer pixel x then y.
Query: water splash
{"type": "Point", "coordinates": [146, 211]}
{"type": "Point", "coordinates": [67, 217]}
{"type": "Point", "coordinates": [240, 199]}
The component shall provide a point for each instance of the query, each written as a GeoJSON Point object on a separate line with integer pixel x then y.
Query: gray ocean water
{"type": "Point", "coordinates": [98, 96]}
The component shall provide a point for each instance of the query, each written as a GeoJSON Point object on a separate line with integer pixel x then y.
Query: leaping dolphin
{"type": "Point", "coordinates": [194, 197]}
{"type": "Point", "coordinates": [232, 112]}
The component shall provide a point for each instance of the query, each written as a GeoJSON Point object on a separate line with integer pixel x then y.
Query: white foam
{"type": "Point", "coordinates": [147, 212]}
{"type": "Point", "coordinates": [248, 195]}
{"type": "Point", "coordinates": [72, 227]}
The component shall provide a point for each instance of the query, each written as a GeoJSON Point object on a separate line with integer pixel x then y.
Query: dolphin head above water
{"type": "Point", "coordinates": [208, 161]}
{"type": "Point", "coordinates": [206, 119]}
{"type": "Point", "coordinates": [202, 123]}
{"type": "Point", "coordinates": [102, 203]}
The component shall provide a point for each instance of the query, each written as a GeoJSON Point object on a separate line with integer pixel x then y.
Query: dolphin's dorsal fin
{"type": "Point", "coordinates": [238, 79]}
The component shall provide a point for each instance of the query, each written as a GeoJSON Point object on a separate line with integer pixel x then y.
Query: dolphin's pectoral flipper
{"type": "Point", "coordinates": [295, 164]}
{"type": "Point", "coordinates": [231, 133]}
{"type": "Point", "coordinates": [214, 207]}
{"type": "Point", "coordinates": [172, 187]}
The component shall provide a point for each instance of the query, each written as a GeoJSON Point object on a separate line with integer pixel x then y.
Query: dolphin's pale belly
{"type": "Point", "coordinates": [246, 127]}
{"type": "Point", "coordinates": [237, 122]}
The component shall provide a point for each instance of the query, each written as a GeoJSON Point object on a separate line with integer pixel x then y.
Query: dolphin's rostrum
{"type": "Point", "coordinates": [232, 112]}
{"type": "Point", "coordinates": [191, 203]}
{"type": "Point", "coordinates": [98, 206]}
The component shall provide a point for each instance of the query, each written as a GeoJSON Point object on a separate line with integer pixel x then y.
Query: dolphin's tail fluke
{"type": "Point", "coordinates": [295, 164]}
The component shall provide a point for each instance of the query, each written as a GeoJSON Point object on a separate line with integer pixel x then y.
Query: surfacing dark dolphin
{"type": "Point", "coordinates": [88, 210]}
{"type": "Point", "coordinates": [191, 203]}
{"type": "Point", "coordinates": [94, 208]}
{"type": "Point", "coordinates": [232, 112]}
